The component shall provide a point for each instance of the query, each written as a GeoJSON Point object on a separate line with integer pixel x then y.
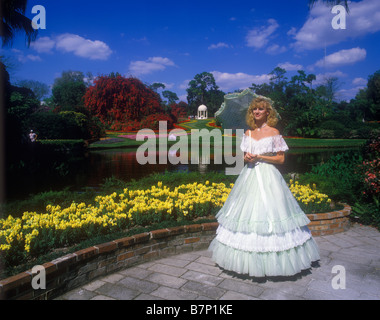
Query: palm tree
{"type": "Point", "coordinates": [330, 2]}
{"type": "Point", "coordinates": [13, 19]}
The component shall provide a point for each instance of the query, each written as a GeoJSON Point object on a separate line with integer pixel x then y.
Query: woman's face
{"type": "Point", "coordinates": [260, 113]}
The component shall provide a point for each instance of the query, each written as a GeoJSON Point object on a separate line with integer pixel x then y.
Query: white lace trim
{"type": "Point", "coordinates": [253, 242]}
{"type": "Point", "coordinates": [265, 145]}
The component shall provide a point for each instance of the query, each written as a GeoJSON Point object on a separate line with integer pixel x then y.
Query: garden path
{"type": "Point", "coordinates": [194, 276]}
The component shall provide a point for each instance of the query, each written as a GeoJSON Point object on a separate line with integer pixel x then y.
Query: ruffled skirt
{"type": "Point", "coordinates": [262, 229]}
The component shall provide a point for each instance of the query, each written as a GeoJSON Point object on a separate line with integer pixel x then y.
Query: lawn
{"type": "Point", "coordinates": [116, 139]}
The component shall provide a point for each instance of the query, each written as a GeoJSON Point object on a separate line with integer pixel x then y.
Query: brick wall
{"type": "Point", "coordinates": [78, 268]}
{"type": "Point", "coordinates": [81, 267]}
{"type": "Point", "coordinates": [330, 223]}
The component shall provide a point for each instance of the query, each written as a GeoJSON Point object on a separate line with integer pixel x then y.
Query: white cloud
{"type": "Point", "coordinates": [359, 82]}
{"type": "Point", "coordinates": [232, 81]}
{"type": "Point", "coordinates": [322, 77]}
{"type": "Point", "coordinates": [184, 84]}
{"type": "Point", "coordinates": [290, 67]}
{"type": "Point", "coordinates": [218, 46]}
{"type": "Point", "coordinates": [348, 94]}
{"type": "Point", "coordinates": [151, 65]}
{"type": "Point", "coordinates": [94, 50]}
{"type": "Point", "coordinates": [342, 57]}
{"type": "Point", "coordinates": [79, 46]}
{"type": "Point", "coordinates": [275, 49]}
{"type": "Point", "coordinates": [317, 32]}
{"type": "Point", "coordinates": [25, 58]}
{"type": "Point", "coordinates": [43, 45]}
{"type": "Point", "coordinates": [259, 37]}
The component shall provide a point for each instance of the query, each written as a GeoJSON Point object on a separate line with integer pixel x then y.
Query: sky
{"type": "Point", "coordinates": [239, 42]}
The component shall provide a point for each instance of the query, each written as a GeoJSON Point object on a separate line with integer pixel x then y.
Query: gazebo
{"type": "Point", "coordinates": [202, 112]}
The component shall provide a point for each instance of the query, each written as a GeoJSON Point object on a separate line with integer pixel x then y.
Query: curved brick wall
{"type": "Point", "coordinates": [330, 223]}
{"type": "Point", "coordinates": [81, 267]}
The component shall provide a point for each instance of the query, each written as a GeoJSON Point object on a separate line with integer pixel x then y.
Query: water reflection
{"type": "Point", "coordinates": [122, 164]}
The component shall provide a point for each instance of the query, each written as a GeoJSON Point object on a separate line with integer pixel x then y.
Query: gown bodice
{"type": "Point", "coordinates": [267, 145]}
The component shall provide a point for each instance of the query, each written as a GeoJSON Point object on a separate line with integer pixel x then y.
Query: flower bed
{"type": "Point", "coordinates": [309, 198]}
{"type": "Point", "coordinates": [35, 233]}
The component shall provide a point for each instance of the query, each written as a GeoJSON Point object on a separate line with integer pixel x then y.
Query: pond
{"type": "Point", "coordinates": [96, 166]}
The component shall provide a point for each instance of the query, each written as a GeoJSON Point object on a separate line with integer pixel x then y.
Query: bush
{"type": "Point", "coordinates": [338, 177]}
{"type": "Point", "coordinates": [65, 125]}
{"type": "Point", "coordinates": [152, 121]}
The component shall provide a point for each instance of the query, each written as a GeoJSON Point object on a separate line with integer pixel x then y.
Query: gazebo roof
{"type": "Point", "coordinates": [202, 107]}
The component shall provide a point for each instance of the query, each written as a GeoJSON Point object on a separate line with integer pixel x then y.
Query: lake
{"type": "Point", "coordinates": [96, 166]}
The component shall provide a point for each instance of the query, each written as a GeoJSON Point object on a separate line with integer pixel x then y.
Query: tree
{"type": "Point", "coordinates": [171, 96]}
{"type": "Point", "coordinates": [330, 3]}
{"type": "Point", "coordinates": [13, 19]}
{"type": "Point", "coordinates": [39, 89]}
{"type": "Point", "coordinates": [68, 90]}
{"type": "Point", "coordinates": [328, 90]}
{"type": "Point", "coordinates": [367, 101]}
{"type": "Point", "coordinates": [116, 100]}
{"type": "Point", "coordinates": [155, 86]}
{"type": "Point", "coordinates": [373, 94]}
{"type": "Point", "coordinates": [203, 90]}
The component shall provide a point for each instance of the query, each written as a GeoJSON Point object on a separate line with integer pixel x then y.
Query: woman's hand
{"type": "Point", "coordinates": [249, 157]}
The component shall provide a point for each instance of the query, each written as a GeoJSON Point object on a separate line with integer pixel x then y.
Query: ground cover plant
{"type": "Point", "coordinates": [120, 208]}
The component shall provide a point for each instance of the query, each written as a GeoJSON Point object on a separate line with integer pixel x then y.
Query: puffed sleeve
{"type": "Point", "coordinates": [279, 144]}
{"type": "Point", "coordinates": [245, 144]}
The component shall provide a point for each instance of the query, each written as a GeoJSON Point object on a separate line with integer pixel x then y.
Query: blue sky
{"type": "Point", "coordinates": [170, 42]}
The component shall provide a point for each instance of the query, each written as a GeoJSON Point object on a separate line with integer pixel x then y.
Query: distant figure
{"type": "Point", "coordinates": [32, 136]}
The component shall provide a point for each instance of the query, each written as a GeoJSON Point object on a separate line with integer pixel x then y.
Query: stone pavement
{"type": "Point", "coordinates": [350, 262]}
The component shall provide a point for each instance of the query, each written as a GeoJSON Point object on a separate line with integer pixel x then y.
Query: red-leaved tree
{"type": "Point", "coordinates": [116, 100]}
{"type": "Point", "coordinates": [179, 110]}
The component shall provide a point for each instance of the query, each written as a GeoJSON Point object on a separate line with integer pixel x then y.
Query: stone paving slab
{"type": "Point", "coordinates": [194, 276]}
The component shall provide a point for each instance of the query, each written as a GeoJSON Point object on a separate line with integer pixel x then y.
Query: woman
{"type": "Point", "coordinates": [262, 230]}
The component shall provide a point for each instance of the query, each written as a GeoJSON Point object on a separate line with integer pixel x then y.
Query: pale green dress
{"type": "Point", "coordinates": [262, 229]}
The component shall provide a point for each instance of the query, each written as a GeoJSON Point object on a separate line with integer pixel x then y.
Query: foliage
{"type": "Point", "coordinates": [35, 233]}
{"type": "Point", "coordinates": [367, 206]}
{"type": "Point", "coordinates": [57, 226]}
{"type": "Point", "coordinates": [309, 198]}
{"type": "Point", "coordinates": [68, 90]}
{"type": "Point", "coordinates": [115, 99]}
{"type": "Point", "coordinates": [203, 90]}
{"type": "Point", "coordinates": [369, 170]}
{"type": "Point", "coordinates": [304, 109]}
{"type": "Point", "coordinates": [337, 177]}
{"type": "Point", "coordinates": [367, 212]}
{"type": "Point", "coordinates": [39, 89]}
{"type": "Point", "coordinates": [152, 121]}
{"type": "Point", "coordinates": [13, 19]}
{"type": "Point", "coordinates": [179, 110]}
{"type": "Point", "coordinates": [64, 125]}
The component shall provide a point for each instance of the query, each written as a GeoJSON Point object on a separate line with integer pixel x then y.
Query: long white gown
{"type": "Point", "coordinates": [262, 229]}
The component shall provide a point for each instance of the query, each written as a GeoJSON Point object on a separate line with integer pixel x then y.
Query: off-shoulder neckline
{"type": "Point", "coordinates": [262, 138]}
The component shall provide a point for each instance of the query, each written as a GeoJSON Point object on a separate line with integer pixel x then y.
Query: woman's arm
{"type": "Point", "coordinates": [279, 158]}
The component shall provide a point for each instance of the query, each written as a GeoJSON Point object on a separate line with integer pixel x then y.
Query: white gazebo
{"type": "Point", "coordinates": [202, 112]}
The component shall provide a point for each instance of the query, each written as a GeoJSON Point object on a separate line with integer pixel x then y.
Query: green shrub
{"type": "Point", "coordinates": [337, 177]}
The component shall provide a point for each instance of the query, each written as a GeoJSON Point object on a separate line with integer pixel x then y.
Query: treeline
{"type": "Point", "coordinates": [315, 112]}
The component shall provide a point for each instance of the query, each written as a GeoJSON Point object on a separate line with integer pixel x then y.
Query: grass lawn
{"type": "Point", "coordinates": [114, 139]}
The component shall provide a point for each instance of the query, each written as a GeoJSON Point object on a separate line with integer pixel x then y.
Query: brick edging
{"type": "Point", "coordinates": [83, 266]}
{"type": "Point", "coordinates": [78, 268]}
{"type": "Point", "coordinates": [331, 222]}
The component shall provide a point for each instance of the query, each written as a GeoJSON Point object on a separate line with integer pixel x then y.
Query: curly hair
{"type": "Point", "coordinates": [272, 118]}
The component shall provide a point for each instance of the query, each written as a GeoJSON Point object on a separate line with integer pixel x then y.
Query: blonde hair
{"type": "Point", "coordinates": [272, 118]}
